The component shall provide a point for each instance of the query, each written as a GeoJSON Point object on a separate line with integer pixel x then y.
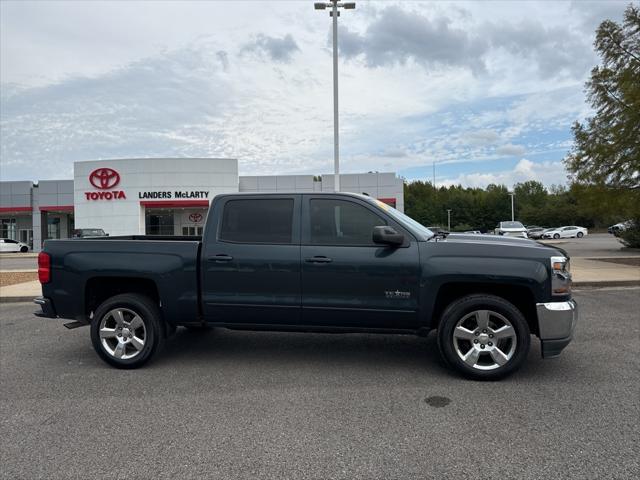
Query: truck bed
{"type": "Point", "coordinates": [170, 264]}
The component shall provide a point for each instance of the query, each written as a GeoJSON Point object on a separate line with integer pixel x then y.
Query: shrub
{"type": "Point", "coordinates": [631, 236]}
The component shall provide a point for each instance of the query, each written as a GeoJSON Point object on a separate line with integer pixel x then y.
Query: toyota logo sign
{"type": "Point", "coordinates": [195, 217]}
{"type": "Point", "coordinates": [104, 178]}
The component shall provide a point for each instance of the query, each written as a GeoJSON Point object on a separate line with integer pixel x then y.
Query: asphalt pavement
{"type": "Point", "coordinates": [594, 245]}
{"type": "Point", "coordinates": [14, 261]}
{"type": "Point", "coordinates": [226, 404]}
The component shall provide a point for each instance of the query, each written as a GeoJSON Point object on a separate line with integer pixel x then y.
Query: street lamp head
{"type": "Point", "coordinates": [320, 6]}
{"type": "Point", "coordinates": [349, 5]}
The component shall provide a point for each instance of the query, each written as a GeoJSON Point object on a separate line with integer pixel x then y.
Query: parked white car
{"type": "Point", "coordinates": [566, 232]}
{"type": "Point", "coordinates": [8, 245]}
{"type": "Point", "coordinates": [511, 229]}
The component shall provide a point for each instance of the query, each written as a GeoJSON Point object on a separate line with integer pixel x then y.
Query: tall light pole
{"type": "Point", "coordinates": [334, 13]}
{"type": "Point", "coordinates": [512, 194]}
{"type": "Point", "coordinates": [448, 219]}
{"type": "Point", "coordinates": [434, 174]}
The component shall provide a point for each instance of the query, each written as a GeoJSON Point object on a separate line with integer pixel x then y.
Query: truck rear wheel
{"type": "Point", "coordinates": [484, 337]}
{"type": "Point", "coordinates": [126, 330]}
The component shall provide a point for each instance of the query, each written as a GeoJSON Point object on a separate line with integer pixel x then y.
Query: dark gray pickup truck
{"type": "Point", "coordinates": [335, 263]}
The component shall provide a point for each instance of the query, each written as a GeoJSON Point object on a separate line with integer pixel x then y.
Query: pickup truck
{"type": "Point", "coordinates": [316, 262]}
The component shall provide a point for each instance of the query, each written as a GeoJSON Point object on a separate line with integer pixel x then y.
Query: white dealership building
{"type": "Point", "coordinates": [153, 196]}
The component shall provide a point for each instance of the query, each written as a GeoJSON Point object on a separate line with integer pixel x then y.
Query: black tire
{"type": "Point", "coordinates": [154, 333]}
{"type": "Point", "coordinates": [24, 249]}
{"type": "Point", "coordinates": [464, 306]}
{"type": "Point", "coordinates": [556, 236]}
{"type": "Point", "coordinates": [580, 235]}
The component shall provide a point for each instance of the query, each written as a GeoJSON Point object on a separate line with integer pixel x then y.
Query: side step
{"type": "Point", "coordinates": [72, 325]}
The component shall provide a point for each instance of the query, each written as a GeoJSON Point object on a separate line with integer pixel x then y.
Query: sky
{"type": "Point", "coordinates": [486, 90]}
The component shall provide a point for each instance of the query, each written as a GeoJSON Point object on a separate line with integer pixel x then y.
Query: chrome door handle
{"type": "Point", "coordinates": [318, 259]}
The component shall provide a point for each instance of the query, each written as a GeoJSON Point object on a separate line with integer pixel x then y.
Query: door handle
{"type": "Point", "coordinates": [220, 258]}
{"type": "Point", "coordinates": [318, 259]}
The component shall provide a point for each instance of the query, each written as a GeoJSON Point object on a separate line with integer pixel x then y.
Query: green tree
{"type": "Point", "coordinates": [606, 148]}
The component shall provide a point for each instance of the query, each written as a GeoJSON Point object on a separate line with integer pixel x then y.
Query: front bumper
{"type": "Point", "coordinates": [556, 324]}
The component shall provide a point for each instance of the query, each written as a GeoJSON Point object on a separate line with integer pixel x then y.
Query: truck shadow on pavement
{"type": "Point", "coordinates": [276, 348]}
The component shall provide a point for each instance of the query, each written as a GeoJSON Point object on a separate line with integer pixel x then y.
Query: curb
{"type": "Point", "coordinates": [612, 283]}
{"type": "Point", "coordinates": [17, 299]}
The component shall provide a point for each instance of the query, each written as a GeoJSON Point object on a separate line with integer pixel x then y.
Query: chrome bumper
{"type": "Point", "coordinates": [556, 323]}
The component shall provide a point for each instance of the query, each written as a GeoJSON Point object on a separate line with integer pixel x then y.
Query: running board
{"type": "Point", "coordinates": [72, 325]}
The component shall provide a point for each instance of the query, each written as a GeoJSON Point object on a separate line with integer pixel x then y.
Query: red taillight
{"type": "Point", "coordinates": [44, 267]}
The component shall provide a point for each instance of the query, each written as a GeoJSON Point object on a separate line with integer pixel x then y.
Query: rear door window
{"type": "Point", "coordinates": [257, 221]}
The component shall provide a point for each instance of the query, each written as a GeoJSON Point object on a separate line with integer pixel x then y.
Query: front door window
{"type": "Point", "coordinates": [338, 222]}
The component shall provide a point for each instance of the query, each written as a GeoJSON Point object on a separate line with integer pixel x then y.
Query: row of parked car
{"type": "Point", "coordinates": [517, 229]}
{"type": "Point", "coordinates": [570, 231]}
{"type": "Point", "coordinates": [8, 245]}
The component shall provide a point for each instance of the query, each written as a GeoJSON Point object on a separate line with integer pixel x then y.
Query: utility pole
{"type": "Point", "coordinates": [334, 13]}
{"type": "Point", "coordinates": [449, 219]}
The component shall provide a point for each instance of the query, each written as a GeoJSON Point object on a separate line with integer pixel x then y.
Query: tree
{"type": "Point", "coordinates": [606, 148]}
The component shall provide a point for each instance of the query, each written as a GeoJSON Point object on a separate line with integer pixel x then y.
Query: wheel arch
{"type": "Point", "coordinates": [99, 289]}
{"type": "Point", "coordinates": [520, 296]}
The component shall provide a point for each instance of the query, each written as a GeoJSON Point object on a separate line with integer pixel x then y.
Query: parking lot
{"type": "Point", "coordinates": [595, 245]}
{"type": "Point", "coordinates": [276, 405]}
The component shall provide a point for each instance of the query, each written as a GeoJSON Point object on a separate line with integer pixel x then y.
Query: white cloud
{"type": "Point", "coordinates": [549, 173]}
{"type": "Point", "coordinates": [510, 149]}
{"type": "Point", "coordinates": [482, 137]}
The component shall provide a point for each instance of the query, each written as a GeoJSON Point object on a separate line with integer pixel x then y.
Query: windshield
{"type": "Point", "coordinates": [511, 225]}
{"type": "Point", "coordinates": [417, 227]}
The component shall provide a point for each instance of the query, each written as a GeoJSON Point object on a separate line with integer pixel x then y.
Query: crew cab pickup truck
{"type": "Point", "coordinates": [339, 263]}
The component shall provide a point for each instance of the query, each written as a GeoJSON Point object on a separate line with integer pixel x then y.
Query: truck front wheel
{"type": "Point", "coordinates": [484, 337]}
{"type": "Point", "coordinates": [126, 330]}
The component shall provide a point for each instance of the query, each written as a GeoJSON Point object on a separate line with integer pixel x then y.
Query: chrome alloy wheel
{"type": "Point", "coordinates": [122, 333]}
{"type": "Point", "coordinates": [484, 340]}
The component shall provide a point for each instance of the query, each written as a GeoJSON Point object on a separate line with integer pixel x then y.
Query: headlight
{"type": "Point", "coordinates": [560, 276]}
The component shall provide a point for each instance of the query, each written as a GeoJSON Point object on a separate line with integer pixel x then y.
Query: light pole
{"type": "Point", "coordinates": [512, 195]}
{"type": "Point", "coordinates": [434, 174]}
{"type": "Point", "coordinates": [334, 13]}
{"type": "Point", "coordinates": [448, 219]}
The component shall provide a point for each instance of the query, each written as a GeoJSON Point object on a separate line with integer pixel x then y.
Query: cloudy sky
{"type": "Point", "coordinates": [488, 90]}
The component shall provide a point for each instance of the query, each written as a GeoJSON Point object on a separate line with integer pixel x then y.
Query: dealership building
{"type": "Point", "coordinates": [153, 196]}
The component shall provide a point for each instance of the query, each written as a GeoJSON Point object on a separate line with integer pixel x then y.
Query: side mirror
{"type": "Point", "coordinates": [387, 235]}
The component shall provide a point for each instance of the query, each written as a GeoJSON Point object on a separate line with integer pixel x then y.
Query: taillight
{"type": "Point", "coordinates": [44, 267]}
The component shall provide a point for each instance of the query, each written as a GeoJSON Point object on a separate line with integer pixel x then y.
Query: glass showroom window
{"type": "Point", "coordinates": [8, 228]}
{"type": "Point", "coordinates": [53, 227]}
